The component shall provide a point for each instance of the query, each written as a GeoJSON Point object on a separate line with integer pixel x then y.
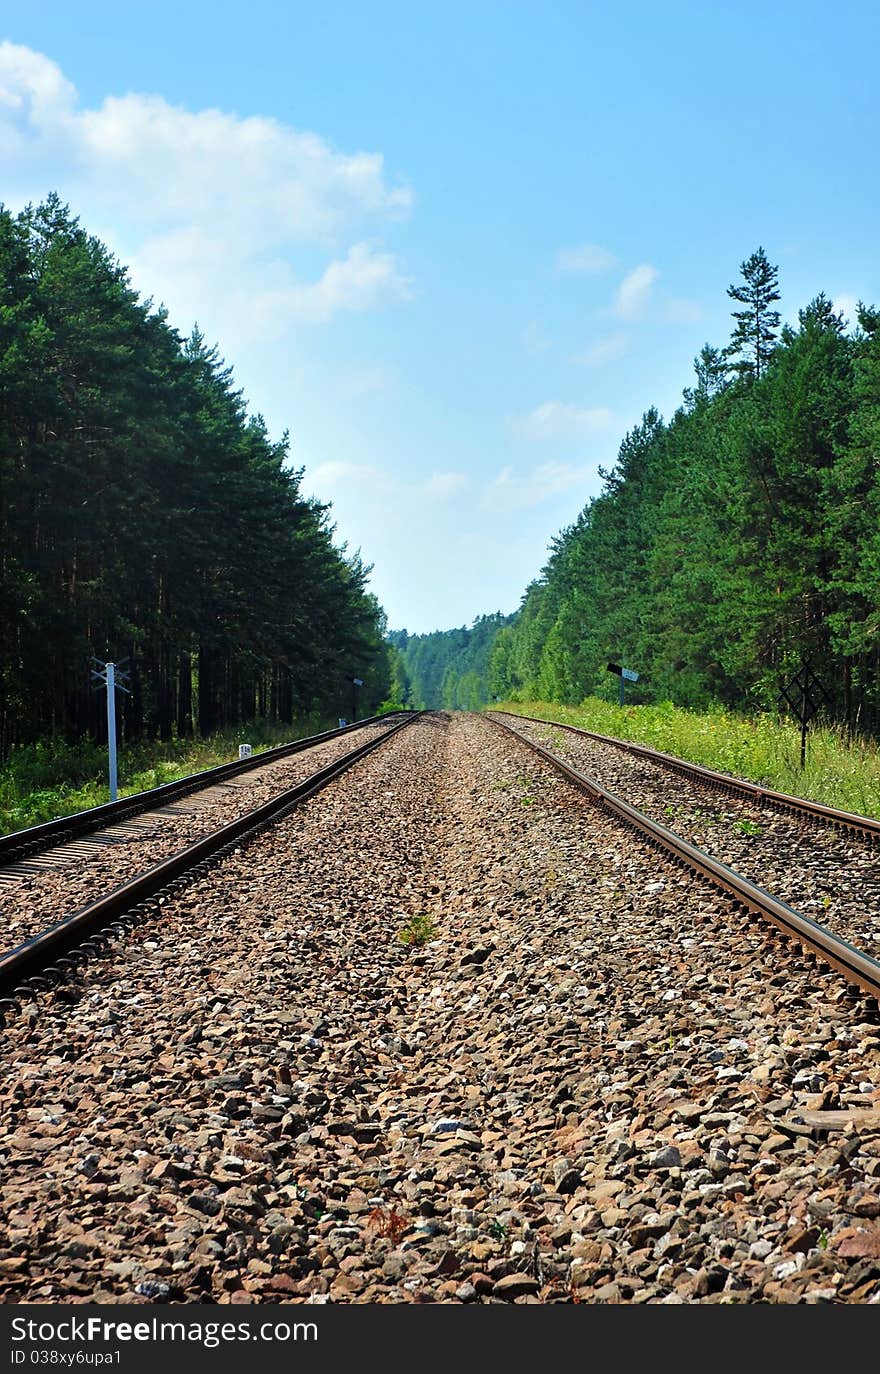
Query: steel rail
{"type": "Point", "coordinates": [856, 966]}
{"type": "Point", "coordinates": [865, 826]}
{"type": "Point", "coordinates": [19, 844]}
{"type": "Point", "coordinates": [35, 957]}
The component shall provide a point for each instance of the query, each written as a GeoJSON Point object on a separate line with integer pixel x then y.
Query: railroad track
{"type": "Point", "coordinates": [858, 967]}
{"type": "Point", "coordinates": [864, 826]}
{"type": "Point", "coordinates": [20, 844]}
{"type": "Point", "coordinates": [582, 1085]}
{"type": "Point", "coordinates": [823, 862]}
{"type": "Point", "coordinates": [53, 955]}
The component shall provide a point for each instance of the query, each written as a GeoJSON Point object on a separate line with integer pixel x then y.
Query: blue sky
{"type": "Point", "coordinates": [456, 249]}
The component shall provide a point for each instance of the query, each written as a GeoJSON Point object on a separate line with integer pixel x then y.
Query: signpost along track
{"type": "Point", "coordinates": [625, 675]}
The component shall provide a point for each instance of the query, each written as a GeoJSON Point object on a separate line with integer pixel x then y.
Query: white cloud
{"type": "Point", "coordinates": [561, 420]}
{"type": "Point", "coordinates": [634, 291]}
{"type": "Point", "coordinates": [35, 98]}
{"type": "Point", "coordinates": [335, 474]}
{"type": "Point", "coordinates": [847, 305]}
{"type": "Point", "coordinates": [635, 299]}
{"type": "Point", "coordinates": [441, 485]}
{"type": "Point", "coordinates": [587, 257]}
{"type": "Point", "coordinates": [206, 199]}
{"type": "Point", "coordinates": [604, 351]}
{"type": "Point", "coordinates": [357, 282]}
{"type": "Point", "coordinates": [512, 489]}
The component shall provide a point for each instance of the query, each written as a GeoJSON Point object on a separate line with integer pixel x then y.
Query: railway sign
{"type": "Point", "coordinates": [628, 674]}
{"type": "Point", "coordinates": [805, 694]}
{"type": "Point", "coordinates": [355, 683]}
{"type": "Point", "coordinates": [625, 675]}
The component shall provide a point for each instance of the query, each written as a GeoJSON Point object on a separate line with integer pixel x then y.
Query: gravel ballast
{"type": "Point", "coordinates": [828, 874]}
{"type": "Point", "coordinates": [589, 1085]}
{"type": "Point", "coordinates": [38, 891]}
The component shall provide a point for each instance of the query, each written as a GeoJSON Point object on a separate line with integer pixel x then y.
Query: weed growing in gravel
{"type": "Point", "coordinates": [747, 827]}
{"type": "Point", "coordinates": [417, 931]}
{"type": "Point", "coordinates": [387, 1222]}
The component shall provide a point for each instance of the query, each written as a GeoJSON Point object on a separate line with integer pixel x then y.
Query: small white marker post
{"type": "Point", "coordinates": [111, 726]}
{"type": "Point", "coordinates": [110, 677]}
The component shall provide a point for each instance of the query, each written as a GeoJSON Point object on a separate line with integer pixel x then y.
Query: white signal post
{"type": "Point", "coordinates": [111, 727]}
{"type": "Point", "coordinates": [110, 676]}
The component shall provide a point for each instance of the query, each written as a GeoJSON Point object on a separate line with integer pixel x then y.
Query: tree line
{"type": "Point", "coordinates": [446, 669]}
{"type": "Point", "coordinates": [733, 543]}
{"type": "Point", "coordinates": [146, 514]}
{"type": "Point", "coordinates": [727, 547]}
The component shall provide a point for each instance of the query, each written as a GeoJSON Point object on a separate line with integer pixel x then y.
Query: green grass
{"type": "Point", "coordinates": [55, 778]}
{"type": "Point", "coordinates": [747, 827]}
{"type": "Point", "coordinates": [417, 931]}
{"type": "Point", "coordinates": [761, 749]}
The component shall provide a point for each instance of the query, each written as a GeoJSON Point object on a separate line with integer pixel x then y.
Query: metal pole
{"type": "Point", "coordinates": [621, 690]}
{"type": "Point", "coordinates": [111, 726]}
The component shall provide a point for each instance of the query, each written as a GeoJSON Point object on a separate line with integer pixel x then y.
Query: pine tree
{"type": "Point", "coordinates": [712, 376]}
{"type": "Point", "coordinates": [144, 513]}
{"type": "Point", "coordinates": [754, 337]}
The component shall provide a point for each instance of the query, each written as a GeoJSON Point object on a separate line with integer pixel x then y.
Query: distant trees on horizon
{"type": "Point", "coordinates": [729, 544]}
{"type": "Point", "coordinates": [447, 668]}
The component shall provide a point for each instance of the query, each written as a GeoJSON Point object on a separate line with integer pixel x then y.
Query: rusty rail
{"type": "Point", "coordinates": [856, 966]}
{"type": "Point", "coordinates": [36, 839]}
{"type": "Point", "coordinates": [52, 955]}
{"type": "Point", "coordinates": [864, 826]}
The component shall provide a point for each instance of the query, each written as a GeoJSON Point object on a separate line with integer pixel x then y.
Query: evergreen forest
{"type": "Point", "coordinates": [446, 669]}
{"type": "Point", "coordinates": [147, 516]}
{"type": "Point", "coordinates": [730, 544]}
